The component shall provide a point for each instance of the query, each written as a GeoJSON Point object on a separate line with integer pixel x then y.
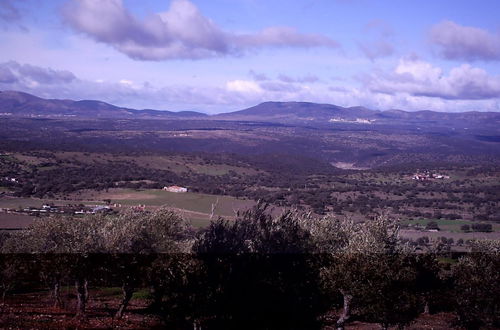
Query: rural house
{"type": "Point", "coordinates": [175, 189]}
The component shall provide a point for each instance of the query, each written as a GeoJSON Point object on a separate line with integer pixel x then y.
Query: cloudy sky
{"type": "Point", "coordinates": [223, 55]}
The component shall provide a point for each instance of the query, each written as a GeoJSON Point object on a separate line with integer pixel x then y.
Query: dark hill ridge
{"type": "Point", "coordinates": [19, 104]}
{"type": "Point", "coordinates": [326, 113]}
{"type": "Point", "coordinates": [299, 110]}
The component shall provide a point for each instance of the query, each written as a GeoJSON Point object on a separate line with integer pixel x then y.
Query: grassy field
{"type": "Point", "coordinates": [175, 163]}
{"type": "Point", "coordinates": [446, 225]}
{"type": "Point", "coordinates": [195, 207]}
{"type": "Point", "coordinates": [414, 234]}
{"type": "Point", "coordinates": [201, 203]}
{"type": "Point", "coordinates": [14, 203]}
{"type": "Point", "coordinates": [22, 202]}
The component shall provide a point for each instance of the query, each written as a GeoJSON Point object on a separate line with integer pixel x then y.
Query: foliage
{"type": "Point", "coordinates": [271, 256]}
{"type": "Point", "coordinates": [477, 292]}
{"type": "Point", "coordinates": [262, 270]}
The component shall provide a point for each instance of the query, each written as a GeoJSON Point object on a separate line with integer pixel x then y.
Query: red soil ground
{"type": "Point", "coordinates": [31, 311]}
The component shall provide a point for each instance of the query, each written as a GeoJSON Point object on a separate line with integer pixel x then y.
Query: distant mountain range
{"type": "Point", "coordinates": [314, 112]}
{"type": "Point", "coordinates": [298, 111]}
{"type": "Point", "coordinates": [19, 104]}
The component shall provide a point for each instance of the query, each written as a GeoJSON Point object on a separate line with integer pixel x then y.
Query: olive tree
{"type": "Point", "coordinates": [135, 239]}
{"type": "Point", "coordinates": [65, 246]}
{"type": "Point", "coordinates": [370, 268]}
{"type": "Point", "coordinates": [477, 293]}
{"type": "Point", "coordinates": [258, 272]}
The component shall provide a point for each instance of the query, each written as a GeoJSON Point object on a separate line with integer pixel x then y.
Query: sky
{"type": "Point", "coordinates": [224, 55]}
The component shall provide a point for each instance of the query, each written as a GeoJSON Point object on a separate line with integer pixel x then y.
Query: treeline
{"type": "Point", "coordinates": [260, 271]}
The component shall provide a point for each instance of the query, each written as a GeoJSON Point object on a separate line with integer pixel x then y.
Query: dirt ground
{"type": "Point", "coordinates": [31, 311]}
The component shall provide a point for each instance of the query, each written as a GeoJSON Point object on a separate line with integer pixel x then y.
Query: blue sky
{"type": "Point", "coordinates": [223, 55]}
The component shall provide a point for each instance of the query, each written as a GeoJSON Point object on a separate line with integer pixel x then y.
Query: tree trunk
{"type": "Point", "coordinates": [157, 293]}
{"type": "Point", "coordinates": [57, 294]}
{"type": "Point", "coordinates": [86, 290]}
{"type": "Point", "coordinates": [128, 291]}
{"type": "Point", "coordinates": [81, 296]}
{"type": "Point", "coordinates": [346, 312]}
{"type": "Point", "coordinates": [2, 305]}
{"type": "Point", "coordinates": [426, 307]}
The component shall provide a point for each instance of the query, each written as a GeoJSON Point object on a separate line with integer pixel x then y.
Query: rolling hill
{"type": "Point", "coordinates": [19, 104]}
{"type": "Point", "coordinates": [294, 112]}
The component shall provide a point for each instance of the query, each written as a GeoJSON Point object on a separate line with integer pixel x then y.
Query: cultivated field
{"type": "Point", "coordinates": [193, 206]}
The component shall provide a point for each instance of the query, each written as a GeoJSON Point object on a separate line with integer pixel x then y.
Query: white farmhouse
{"type": "Point", "coordinates": [175, 189]}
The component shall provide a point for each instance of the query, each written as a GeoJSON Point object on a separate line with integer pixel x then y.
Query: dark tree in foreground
{"type": "Point", "coordinates": [135, 239]}
{"type": "Point", "coordinates": [94, 247]}
{"type": "Point", "coordinates": [373, 272]}
{"type": "Point", "coordinates": [66, 243]}
{"type": "Point", "coordinates": [477, 289]}
{"type": "Point", "coordinates": [258, 272]}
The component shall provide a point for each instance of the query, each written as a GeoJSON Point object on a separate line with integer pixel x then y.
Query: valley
{"type": "Point", "coordinates": [270, 153]}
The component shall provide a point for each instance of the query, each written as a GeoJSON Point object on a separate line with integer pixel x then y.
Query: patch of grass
{"type": "Point", "coordinates": [446, 260]}
{"type": "Point", "coordinates": [141, 294]}
{"type": "Point", "coordinates": [444, 224]}
{"type": "Point", "coordinates": [110, 291]}
{"type": "Point", "coordinates": [16, 202]}
{"type": "Point", "coordinates": [195, 202]}
{"type": "Point", "coordinates": [117, 291]}
{"type": "Point", "coordinates": [199, 222]}
{"type": "Point", "coordinates": [13, 203]}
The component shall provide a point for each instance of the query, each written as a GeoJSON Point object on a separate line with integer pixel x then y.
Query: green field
{"type": "Point", "coordinates": [446, 225]}
{"type": "Point", "coordinates": [175, 163]}
{"type": "Point", "coordinates": [14, 203]}
{"type": "Point", "coordinates": [194, 202]}
{"type": "Point", "coordinates": [195, 207]}
{"type": "Point", "coordinates": [22, 202]}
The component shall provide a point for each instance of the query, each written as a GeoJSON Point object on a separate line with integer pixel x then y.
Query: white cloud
{"type": "Point", "coordinates": [12, 72]}
{"type": "Point", "coordinates": [418, 78]}
{"type": "Point", "coordinates": [405, 92]}
{"type": "Point", "coordinates": [181, 32]}
{"type": "Point", "coordinates": [459, 42]}
{"type": "Point", "coordinates": [243, 86]}
{"type": "Point", "coordinates": [126, 82]}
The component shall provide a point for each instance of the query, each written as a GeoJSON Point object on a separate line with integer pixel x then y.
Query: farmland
{"type": "Point", "coordinates": [220, 165]}
{"type": "Point", "coordinates": [384, 176]}
{"type": "Point", "coordinates": [193, 206]}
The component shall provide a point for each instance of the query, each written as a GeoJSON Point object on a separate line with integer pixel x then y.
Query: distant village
{"type": "Point", "coordinates": [8, 179]}
{"type": "Point", "coordinates": [427, 175]}
{"type": "Point", "coordinates": [356, 121]}
{"type": "Point", "coordinates": [175, 189]}
{"type": "Point", "coordinates": [79, 209]}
